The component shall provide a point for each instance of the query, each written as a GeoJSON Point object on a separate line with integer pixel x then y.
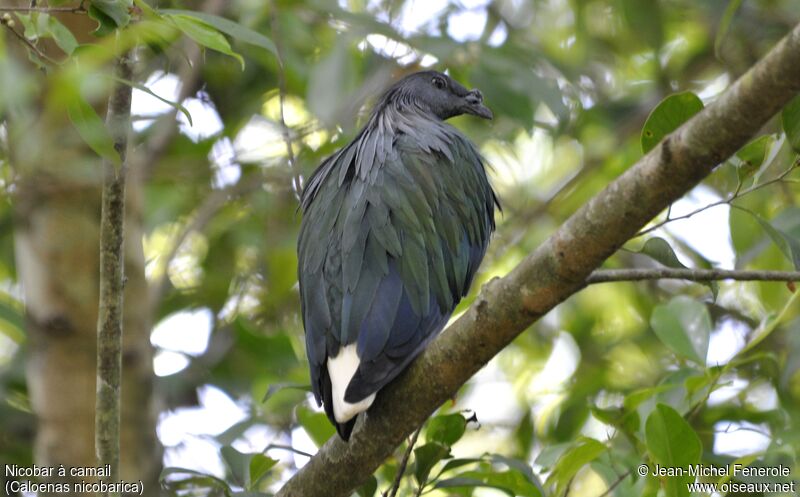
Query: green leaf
{"type": "Point", "coordinates": [246, 469]}
{"type": "Point", "coordinates": [672, 443]}
{"type": "Point", "coordinates": [277, 387]}
{"type": "Point", "coordinates": [524, 433]}
{"type": "Point", "coordinates": [515, 481]}
{"type": "Point", "coordinates": [638, 397]}
{"type": "Point", "coordinates": [235, 431]}
{"type": "Point", "coordinates": [316, 425]}
{"type": "Point", "coordinates": [746, 233]}
{"type": "Point", "coordinates": [446, 429]}
{"type": "Point", "coordinates": [238, 463]}
{"type": "Point", "coordinates": [511, 482]}
{"type": "Point", "coordinates": [231, 28]}
{"type": "Point", "coordinates": [368, 489]}
{"type": "Point", "coordinates": [744, 462]}
{"type": "Point", "coordinates": [698, 386]}
{"type": "Point", "coordinates": [645, 20]}
{"type": "Point", "coordinates": [35, 24]}
{"type": "Point", "coordinates": [609, 416]}
{"type": "Point", "coordinates": [752, 156]}
{"type": "Point", "coordinates": [39, 25]}
{"type": "Point", "coordinates": [110, 15]}
{"type": "Point", "coordinates": [660, 250]}
{"type": "Point", "coordinates": [684, 326]}
{"type": "Point", "coordinates": [204, 34]}
{"type": "Point", "coordinates": [30, 27]}
{"type": "Point", "coordinates": [259, 467]}
{"type": "Point", "coordinates": [584, 451]}
{"type": "Point", "coordinates": [62, 36]}
{"type": "Point", "coordinates": [12, 318]}
{"type": "Point", "coordinates": [146, 9]}
{"type": "Point", "coordinates": [156, 34]}
{"type": "Point", "coordinates": [790, 118]}
{"type": "Point", "coordinates": [92, 129]}
{"type": "Point", "coordinates": [516, 464]}
{"type": "Point", "coordinates": [551, 454]}
{"type": "Point", "coordinates": [141, 87]}
{"type": "Point", "coordinates": [668, 116]}
{"type": "Point", "coordinates": [105, 24]}
{"type": "Point", "coordinates": [768, 325]}
{"type": "Point", "coordinates": [425, 457]}
{"type": "Point", "coordinates": [211, 480]}
{"type": "Point", "coordinates": [117, 10]}
{"type": "Point", "coordinates": [725, 24]}
{"type": "Point", "coordinates": [789, 245]}
{"type": "Point", "coordinates": [468, 482]}
{"type": "Point", "coordinates": [457, 463]}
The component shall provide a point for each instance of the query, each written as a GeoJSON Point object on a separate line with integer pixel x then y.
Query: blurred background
{"type": "Point", "coordinates": [212, 309]}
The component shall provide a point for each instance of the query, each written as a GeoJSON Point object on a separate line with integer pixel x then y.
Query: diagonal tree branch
{"type": "Point", "coordinates": [557, 269]}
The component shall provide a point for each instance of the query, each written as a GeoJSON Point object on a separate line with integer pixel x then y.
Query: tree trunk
{"type": "Point", "coordinates": [57, 215]}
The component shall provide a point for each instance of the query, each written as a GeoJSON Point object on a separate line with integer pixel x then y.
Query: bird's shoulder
{"type": "Point", "coordinates": [381, 144]}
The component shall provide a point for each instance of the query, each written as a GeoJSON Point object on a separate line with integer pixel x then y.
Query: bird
{"type": "Point", "coordinates": [394, 227]}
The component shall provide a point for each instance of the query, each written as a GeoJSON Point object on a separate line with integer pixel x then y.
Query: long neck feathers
{"type": "Point", "coordinates": [396, 113]}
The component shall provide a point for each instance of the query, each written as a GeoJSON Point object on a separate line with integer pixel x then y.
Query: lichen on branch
{"type": "Point", "coordinates": [112, 262]}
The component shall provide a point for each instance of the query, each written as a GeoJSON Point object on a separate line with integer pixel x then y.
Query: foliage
{"type": "Point", "coordinates": [620, 375]}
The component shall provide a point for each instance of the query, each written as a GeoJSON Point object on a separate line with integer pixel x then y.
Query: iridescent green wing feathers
{"type": "Point", "coordinates": [388, 247]}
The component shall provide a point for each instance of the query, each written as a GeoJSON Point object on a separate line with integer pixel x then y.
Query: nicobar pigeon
{"type": "Point", "coordinates": [395, 225]}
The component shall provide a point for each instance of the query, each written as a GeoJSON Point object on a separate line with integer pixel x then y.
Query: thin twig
{"type": "Point", "coordinates": [737, 194]}
{"type": "Point", "coordinates": [112, 275]}
{"type": "Point", "coordinates": [297, 186]}
{"type": "Point", "coordinates": [610, 275]}
{"type": "Point", "coordinates": [699, 406]}
{"type": "Point", "coordinates": [80, 9]}
{"type": "Point", "coordinates": [287, 448]}
{"type": "Point", "coordinates": [28, 43]}
{"type": "Point", "coordinates": [392, 492]}
{"type": "Point", "coordinates": [616, 483]}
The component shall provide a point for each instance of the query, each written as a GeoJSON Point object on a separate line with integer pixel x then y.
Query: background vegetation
{"type": "Point", "coordinates": [620, 374]}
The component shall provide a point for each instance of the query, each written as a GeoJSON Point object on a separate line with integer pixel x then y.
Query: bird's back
{"type": "Point", "coordinates": [394, 228]}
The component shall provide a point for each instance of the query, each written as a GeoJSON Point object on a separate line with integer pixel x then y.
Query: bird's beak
{"type": "Point", "coordinates": [473, 104]}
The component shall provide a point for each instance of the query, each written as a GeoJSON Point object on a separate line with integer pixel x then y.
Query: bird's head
{"type": "Point", "coordinates": [438, 94]}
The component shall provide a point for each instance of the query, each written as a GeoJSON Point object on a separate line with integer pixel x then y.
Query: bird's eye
{"type": "Point", "coordinates": [439, 83]}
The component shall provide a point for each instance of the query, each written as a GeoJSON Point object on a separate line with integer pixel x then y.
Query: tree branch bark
{"type": "Point", "coordinates": [112, 262]}
{"type": "Point", "coordinates": [56, 201]}
{"type": "Point", "coordinates": [667, 273]}
{"type": "Point", "coordinates": [554, 271]}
